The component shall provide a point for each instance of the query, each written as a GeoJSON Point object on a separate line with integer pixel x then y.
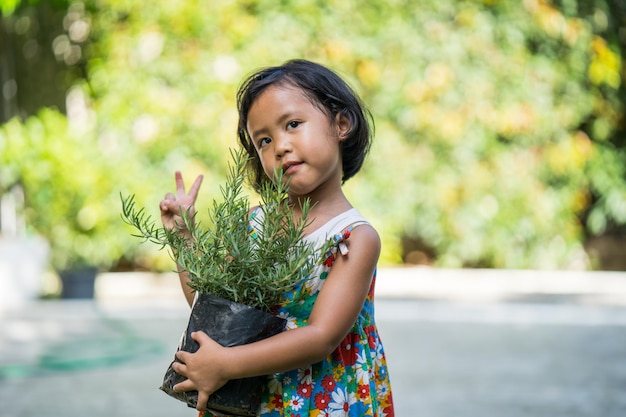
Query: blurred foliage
{"type": "Point", "coordinates": [500, 123]}
{"type": "Point", "coordinates": [71, 192]}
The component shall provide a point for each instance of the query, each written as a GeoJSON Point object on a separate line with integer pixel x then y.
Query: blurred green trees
{"type": "Point", "coordinates": [500, 124]}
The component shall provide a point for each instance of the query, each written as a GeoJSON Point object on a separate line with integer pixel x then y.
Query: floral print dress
{"type": "Point", "coordinates": [353, 380]}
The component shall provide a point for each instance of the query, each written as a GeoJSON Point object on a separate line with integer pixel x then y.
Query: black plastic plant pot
{"type": "Point", "coordinates": [229, 324]}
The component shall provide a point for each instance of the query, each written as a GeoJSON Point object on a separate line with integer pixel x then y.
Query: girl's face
{"type": "Point", "coordinates": [293, 135]}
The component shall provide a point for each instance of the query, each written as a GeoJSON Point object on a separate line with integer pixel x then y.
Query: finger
{"type": "Point", "coordinates": [180, 183]}
{"type": "Point", "coordinates": [166, 204]}
{"type": "Point", "coordinates": [203, 399]}
{"type": "Point", "coordinates": [200, 337]}
{"type": "Point", "coordinates": [169, 207]}
{"type": "Point", "coordinates": [181, 369]}
{"type": "Point", "coordinates": [185, 386]}
{"type": "Point", "coordinates": [181, 355]}
{"type": "Point", "coordinates": [193, 191]}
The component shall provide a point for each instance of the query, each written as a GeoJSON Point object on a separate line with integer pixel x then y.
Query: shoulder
{"type": "Point", "coordinates": [253, 212]}
{"type": "Point", "coordinates": [357, 243]}
{"type": "Point", "coordinates": [365, 236]}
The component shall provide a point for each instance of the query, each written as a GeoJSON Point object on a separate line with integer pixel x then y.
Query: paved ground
{"type": "Point", "coordinates": [551, 355]}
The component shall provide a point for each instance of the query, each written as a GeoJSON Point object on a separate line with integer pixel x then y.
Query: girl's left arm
{"type": "Point", "coordinates": [335, 311]}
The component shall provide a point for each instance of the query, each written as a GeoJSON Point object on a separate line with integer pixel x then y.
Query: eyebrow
{"type": "Point", "coordinates": [278, 122]}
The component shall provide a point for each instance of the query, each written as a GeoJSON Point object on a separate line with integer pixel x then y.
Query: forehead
{"type": "Point", "coordinates": [276, 101]}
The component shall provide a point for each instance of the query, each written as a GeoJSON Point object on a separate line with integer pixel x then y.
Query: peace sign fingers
{"type": "Point", "coordinates": [173, 206]}
{"type": "Point", "coordinates": [180, 187]}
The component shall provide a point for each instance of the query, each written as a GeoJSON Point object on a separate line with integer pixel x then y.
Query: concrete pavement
{"type": "Point", "coordinates": [478, 348]}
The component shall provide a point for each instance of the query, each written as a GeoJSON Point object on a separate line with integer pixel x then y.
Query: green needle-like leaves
{"type": "Point", "coordinates": [226, 260]}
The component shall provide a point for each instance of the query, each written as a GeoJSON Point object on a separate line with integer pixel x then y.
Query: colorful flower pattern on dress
{"type": "Point", "coordinates": [352, 381]}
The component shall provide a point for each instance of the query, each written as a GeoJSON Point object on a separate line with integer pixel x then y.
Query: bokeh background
{"type": "Point", "coordinates": [500, 127]}
{"type": "Point", "coordinates": [498, 170]}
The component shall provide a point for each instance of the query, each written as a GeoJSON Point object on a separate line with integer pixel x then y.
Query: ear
{"type": "Point", "coordinates": [343, 126]}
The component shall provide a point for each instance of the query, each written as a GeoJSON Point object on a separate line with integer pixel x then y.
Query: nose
{"type": "Point", "coordinates": [282, 145]}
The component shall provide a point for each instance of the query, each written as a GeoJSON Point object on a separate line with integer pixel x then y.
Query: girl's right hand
{"type": "Point", "coordinates": [173, 206]}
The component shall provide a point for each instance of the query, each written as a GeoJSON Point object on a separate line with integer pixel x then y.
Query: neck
{"type": "Point", "coordinates": [320, 210]}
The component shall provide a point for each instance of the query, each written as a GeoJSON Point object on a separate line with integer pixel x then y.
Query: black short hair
{"type": "Point", "coordinates": [327, 91]}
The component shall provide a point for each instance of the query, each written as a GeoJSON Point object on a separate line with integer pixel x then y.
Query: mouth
{"type": "Point", "coordinates": [290, 167]}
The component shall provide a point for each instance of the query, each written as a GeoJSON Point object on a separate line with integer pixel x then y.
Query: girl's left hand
{"type": "Point", "coordinates": [204, 369]}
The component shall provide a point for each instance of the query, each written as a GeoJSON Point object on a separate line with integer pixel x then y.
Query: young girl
{"type": "Point", "coordinates": [303, 119]}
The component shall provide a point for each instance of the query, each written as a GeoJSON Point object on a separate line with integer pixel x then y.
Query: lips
{"type": "Point", "coordinates": [290, 167]}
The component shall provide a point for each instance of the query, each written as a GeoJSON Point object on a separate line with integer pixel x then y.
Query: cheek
{"type": "Point", "coordinates": [265, 164]}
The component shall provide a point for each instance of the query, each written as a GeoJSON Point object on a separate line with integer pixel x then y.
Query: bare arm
{"type": "Point", "coordinates": [172, 207]}
{"type": "Point", "coordinates": [189, 294]}
{"type": "Point", "coordinates": [335, 311]}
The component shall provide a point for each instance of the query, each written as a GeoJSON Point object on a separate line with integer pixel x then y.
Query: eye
{"type": "Point", "coordinates": [264, 141]}
{"type": "Point", "coordinates": [293, 124]}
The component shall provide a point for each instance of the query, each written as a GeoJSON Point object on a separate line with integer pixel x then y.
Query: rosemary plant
{"type": "Point", "coordinates": [226, 260]}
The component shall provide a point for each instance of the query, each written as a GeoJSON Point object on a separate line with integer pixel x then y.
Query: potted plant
{"type": "Point", "coordinates": [239, 279]}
